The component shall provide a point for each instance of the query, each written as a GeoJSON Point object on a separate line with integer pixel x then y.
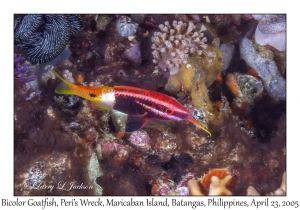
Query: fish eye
{"type": "Point", "coordinates": [169, 111]}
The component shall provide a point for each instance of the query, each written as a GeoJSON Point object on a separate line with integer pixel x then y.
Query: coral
{"type": "Point", "coordinates": [252, 191]}
{"type": "Point", "coordinates": [125, 26]}
{"type": "Point", "coordinates": [215, 182]}
{"type": "Point", "coordinates": [172, 46]}
{"type": "Point", "coordinates": [206, 180]}
{"type": "Point", "coordinates": [274, 83]}
{"type": "Point", "coordinates": [43, 37]}
{"type": "Point", "coordinates": [271, 30]}
{"type": "Point", "coordinates": [218, 186]}
{"type": "Point", "coordinates": [194, 187]}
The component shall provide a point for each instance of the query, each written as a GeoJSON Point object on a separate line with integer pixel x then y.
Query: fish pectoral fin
{"type": "Point", "coordinates": [133, 118]}
{"type": "Point", "coordinates": [135, 122]}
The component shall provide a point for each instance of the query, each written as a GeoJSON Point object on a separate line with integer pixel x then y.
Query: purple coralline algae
{"type": "Point", "coordinates": [274, 83]}
{"type": "Point", "coordinates": [22, 69]}
{"type": "Point", "coordinates": [26, 74]}
{"type": "Point", "coordinates": [165, 186]}
{"type": "Point", "coordinates": [111, 147]}
{"type": "Point", "coordinates": [140, 139]}
{"type": "Point", "coordinates": [173, 44]}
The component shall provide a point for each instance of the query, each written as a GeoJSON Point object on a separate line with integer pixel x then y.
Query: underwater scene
{"type": "Point", "coordinates": [149, 104]}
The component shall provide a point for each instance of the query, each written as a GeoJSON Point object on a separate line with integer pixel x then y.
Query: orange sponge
{"type": "Point", "coordinates": [220, 173]}
{"type": "Point", "coordinates": [232, 84]}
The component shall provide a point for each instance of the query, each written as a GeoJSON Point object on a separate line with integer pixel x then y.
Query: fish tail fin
{"type": "Point", "coordinates": [199, 125]}
{"type": "Point", "coordinates": [64, 87]}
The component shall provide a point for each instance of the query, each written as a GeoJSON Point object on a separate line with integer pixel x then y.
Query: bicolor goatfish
{"type": "Point", "coordinates": [140, 104]}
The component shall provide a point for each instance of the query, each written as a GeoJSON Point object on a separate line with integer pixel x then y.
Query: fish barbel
{"type": "Point", "coordinates": [140, 104]}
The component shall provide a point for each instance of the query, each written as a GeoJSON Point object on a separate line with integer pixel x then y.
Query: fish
{"type": "Point", "coordinates": [139, 104]}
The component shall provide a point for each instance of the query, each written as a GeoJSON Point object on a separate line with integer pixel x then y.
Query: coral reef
{"type": "Point", "coordinates": [211, 64]}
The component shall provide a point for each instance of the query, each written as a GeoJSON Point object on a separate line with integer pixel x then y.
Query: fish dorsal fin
{"type": "Point", "coordinates": [135, 122]}
{"type": "Point", "coordinates": [98, 86]}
